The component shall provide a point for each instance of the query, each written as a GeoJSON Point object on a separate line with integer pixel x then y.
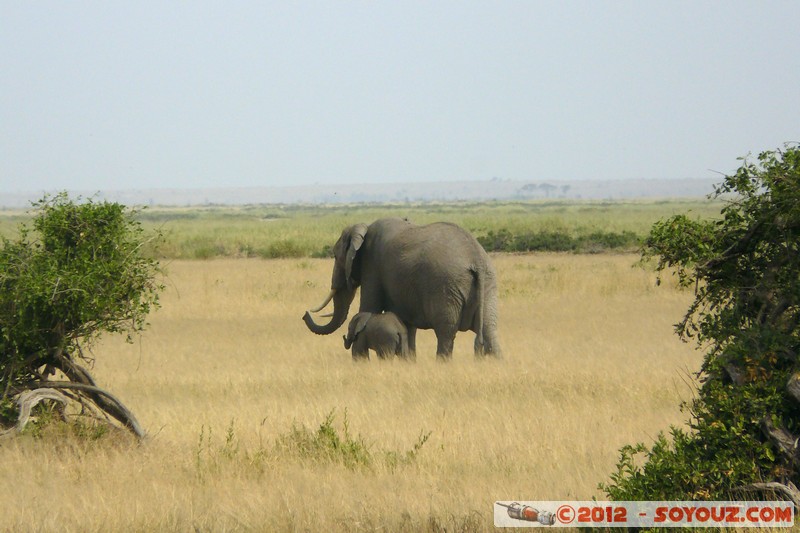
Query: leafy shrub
{"type": "Point", "coordinates": [745, 272]}
{"type": "Point", "coordinates": [283, 248]}
{"type": "Point", "coordinates": [552, 241]}
{"type": "Point", "coordinates": [500, 241]}
{"type": "Point", "coordinates": [600, 241]}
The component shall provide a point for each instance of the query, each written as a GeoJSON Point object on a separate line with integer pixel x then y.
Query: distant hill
{"type": "Point", "coordinates": [495, 189]}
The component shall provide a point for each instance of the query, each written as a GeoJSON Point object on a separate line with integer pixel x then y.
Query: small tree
{"type": "Point", "coordinates": [77, 271]}
{"type": "Point", "coordinates": [745, 272]}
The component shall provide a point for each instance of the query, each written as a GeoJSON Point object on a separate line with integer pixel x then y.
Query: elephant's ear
{"type": "Point", "coordinates": [361, 320]}
{"type": "Point", "coordinates": [357, 235]}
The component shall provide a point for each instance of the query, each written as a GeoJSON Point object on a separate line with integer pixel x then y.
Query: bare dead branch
{"type": "Point", "coordinates": [26, 401]}
{"type": "Point", "coordinates": [106, 401]}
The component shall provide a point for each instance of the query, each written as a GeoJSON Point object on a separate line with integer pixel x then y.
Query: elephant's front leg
{"type": "Point", "coordinates": [360, 349]}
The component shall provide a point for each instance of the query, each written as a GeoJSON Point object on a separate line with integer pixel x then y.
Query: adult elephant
{"type": "Point", "coordinates": [432, 277]}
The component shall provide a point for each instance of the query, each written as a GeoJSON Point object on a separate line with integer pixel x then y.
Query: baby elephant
{"type": "Point", "coordinates": [384, 333]}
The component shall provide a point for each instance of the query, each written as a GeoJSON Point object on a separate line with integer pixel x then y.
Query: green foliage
{"type": "Point", "coordinates": [745, 271]}
{"type": "Point", "coordinates": [8, 411]}
{"type": "Point", "coordinates": [76, 271]}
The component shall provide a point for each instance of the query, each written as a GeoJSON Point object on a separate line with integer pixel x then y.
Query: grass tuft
{"type": "Point", "coordinates": [326, 444]}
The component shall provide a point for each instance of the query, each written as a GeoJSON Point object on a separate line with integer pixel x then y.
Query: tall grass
{"type": "Point", "coordinates": [258, 425]}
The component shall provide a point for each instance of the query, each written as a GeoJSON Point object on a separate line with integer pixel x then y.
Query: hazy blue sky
{"type": "Point", "coordinates": [116, 95]}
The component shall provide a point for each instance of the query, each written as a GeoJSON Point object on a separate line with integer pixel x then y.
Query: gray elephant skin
{"type": "Point", "coordinates": [383, 333]}
{"type": "Point", "coordinates": [432, 277]}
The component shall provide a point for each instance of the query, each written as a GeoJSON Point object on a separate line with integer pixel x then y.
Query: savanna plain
{"type": "Point", "coordinates": [256, 424]}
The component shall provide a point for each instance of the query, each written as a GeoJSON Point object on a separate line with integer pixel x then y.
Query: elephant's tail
{"type": "Point", "coordinates": [478, 276]}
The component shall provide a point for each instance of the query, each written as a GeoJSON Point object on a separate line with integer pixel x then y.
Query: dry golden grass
{"type": "Point", "coordinates": [227, 367]}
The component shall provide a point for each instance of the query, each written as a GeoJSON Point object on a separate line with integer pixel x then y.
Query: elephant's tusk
{"type": "Point", "coordinates": [326, 302]}
{"type": "Point", "coordinates": [326, 315]}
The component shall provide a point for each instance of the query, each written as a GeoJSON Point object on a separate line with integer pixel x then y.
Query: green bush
{"type": "Point", "coordinates": [553, 241]}
{"type": "Point", "coordinates": [745, 271]}
{"type": "Point", "coordinates": [600, 241]}
{"type": "Point", "coordinates": [500, 241]}
{"type": "Point", "coordinates": [77, 271]}
{"type": "Point", "coordinates": [283, 248]}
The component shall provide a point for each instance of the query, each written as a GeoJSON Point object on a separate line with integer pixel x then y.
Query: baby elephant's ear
{"type": "Point", "coordinates": [361, 322]}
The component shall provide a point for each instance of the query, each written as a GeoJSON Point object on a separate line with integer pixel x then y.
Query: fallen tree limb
{"type": "Point", "coordinates": [106, 401]}
{"type": "Point", "coordinates": [27, 400]}
{"type": "Point", "coordinates": [82, 389]}
{"type": "Point", "coordinates": [103, 399]}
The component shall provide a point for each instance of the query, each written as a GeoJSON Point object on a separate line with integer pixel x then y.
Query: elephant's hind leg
{"type": "Point", "coordinates": [444, 343]}
{"type": "Point", "coordinates": [384, 353]}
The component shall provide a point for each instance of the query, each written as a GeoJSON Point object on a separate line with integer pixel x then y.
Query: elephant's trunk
{"type": "Point", "coordinates": [342, 299]}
